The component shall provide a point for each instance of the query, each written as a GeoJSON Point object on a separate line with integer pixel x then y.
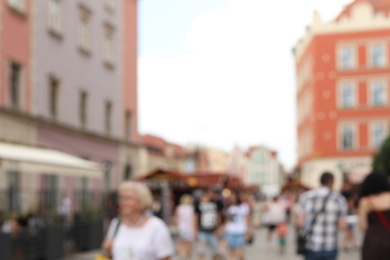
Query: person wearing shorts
{"type": "Point", "coordinates": [207, 223]}
{"type": "Point", "coordinates": [184, 218]}
{"type": "Point", "coordinates": [282, 234]}
{"type": "Point", "coordinates": [276, 211]}
{"type": "Point", "coordinates": [237, 227]}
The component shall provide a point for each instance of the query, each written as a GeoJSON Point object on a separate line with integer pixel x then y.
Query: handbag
{"type": "Point", "coordinates": [250, 239]}
{"type": "Point", "coordinates": [107, 255]}
{"type": "Point", "coordinates": [102, 256]}
{"type": "Point", "coordinates": [304, 234]}
{"type": "Point", "coordinates": [380, 216]}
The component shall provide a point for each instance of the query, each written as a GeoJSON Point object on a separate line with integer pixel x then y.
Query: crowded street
{"type": "Point", "coordinates": [194, 129]}
{"type": "Point", "coordinates": [259, 250]}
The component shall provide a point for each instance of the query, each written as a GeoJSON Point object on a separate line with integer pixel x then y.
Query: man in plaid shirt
{"type": "Point", "coordinates": [323, 241]}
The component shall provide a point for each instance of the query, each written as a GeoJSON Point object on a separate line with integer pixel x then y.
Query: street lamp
{"type": "Point", "coordinates": [340, 166]}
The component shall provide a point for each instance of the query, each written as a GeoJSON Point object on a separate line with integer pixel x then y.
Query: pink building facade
{"type": "Point", "coordinates": [68, 83]}
{"type": "Point", "coordinates": [15, 53]}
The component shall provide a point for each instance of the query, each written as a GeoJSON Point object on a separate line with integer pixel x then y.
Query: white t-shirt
{"type": "Point", "coordinates": [276, 212]}
{"type": "Point", "coordinates": [152, 241]}
{"type": "Point", "coordinates": [64, 208]}
{"type": "Point", "coordinates": [237, 222]}
{"type": "Point", "coordinates": [185, 221]}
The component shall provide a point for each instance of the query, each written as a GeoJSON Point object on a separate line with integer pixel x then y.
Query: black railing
{"type": "Point", "coordinates": [35, 227]}
{"type": "Point", "coordinates": [52, 241]}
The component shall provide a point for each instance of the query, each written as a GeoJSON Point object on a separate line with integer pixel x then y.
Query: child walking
{"type": "Point", "coordinates": [282, 229]}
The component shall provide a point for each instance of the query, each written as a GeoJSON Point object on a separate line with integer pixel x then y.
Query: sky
{"type": "Point", "coordinates": [221, 73]}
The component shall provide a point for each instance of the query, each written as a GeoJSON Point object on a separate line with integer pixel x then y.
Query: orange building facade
{"type": "Point", "coordinates": [343, 91]}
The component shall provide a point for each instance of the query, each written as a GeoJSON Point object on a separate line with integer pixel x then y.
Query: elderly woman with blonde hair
{"type": "Point", "coordinates": [135, 234]}
{"type": "Point", "coordinates": [184, 217]}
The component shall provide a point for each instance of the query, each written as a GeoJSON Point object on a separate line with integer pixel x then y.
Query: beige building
{"type": "Point", "coordinates": [264, 169]}
{"type": "Point", "coordinates": [161, 154]}
{"type": "Point", "coordinates": [210, 160]}
{"type": "Point", "coordinates": [238, 164]}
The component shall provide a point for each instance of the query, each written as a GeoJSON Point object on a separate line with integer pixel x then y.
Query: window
{"type": "Point", "coordinates": [346, 57]}
{"type": "Point", "coordinates": [83, 108]}
{"type": "Point", "coordinates": [108, 44]}
{"type": "Point", "coordinates": [15, 75]}
{"type": "Point", "coordinates": [13, 191]}
{"type": "Point", "coordinates": [348, 134]}
{"type": "Point", "coordinates": [347, 95]}
{"type": "Point", "coordinates": [53, 91]}
{"type": "Point", "coordinates": [84, 30]}
{"type": "Point", "coordinates": [378, 93]}
{"type": "Point", "coordinates": [107, 175]}
{"type": "Point", "coordinates": [50, 183]}
{"type": "Point", "coordinates": [128, 172]}
{"type": "Point", "coordinates": [17, 4]}
{"type": "Point", "coordinates": [379, 133]}
{"type": "Point", "coordinates": [108, 112]}
{"type": "Point", "coordinates": [84, 193]}
{"type": "Point", "coordinates": [128, 125]}
{"type": "Point", "coordinates": [55, 17]}
{"type": "Point", "coordinates": [377, 56]}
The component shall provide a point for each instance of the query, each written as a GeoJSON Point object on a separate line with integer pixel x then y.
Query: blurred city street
{"type": "Point", "coordinates": [125, 122]}
{"type": "Point", "coordinates": [259, 250]}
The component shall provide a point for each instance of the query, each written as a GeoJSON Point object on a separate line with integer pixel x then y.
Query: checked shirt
{"type": "Point", "coordinates": [324, 236]}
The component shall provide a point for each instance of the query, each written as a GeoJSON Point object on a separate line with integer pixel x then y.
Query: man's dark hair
{"type": "Point", "coordinates": [326, 178]}
{"type": "Point", "coordinates": [374, 184]}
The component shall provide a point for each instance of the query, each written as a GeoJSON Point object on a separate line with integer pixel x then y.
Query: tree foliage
{"type": "Point", "coordinates": [382, 158]}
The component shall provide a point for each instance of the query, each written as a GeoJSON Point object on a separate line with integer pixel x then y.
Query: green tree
{"type": "Point", "coordinates": [382, 158]}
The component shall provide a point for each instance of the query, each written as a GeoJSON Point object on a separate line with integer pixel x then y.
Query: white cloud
{"type": "Point", "coordinates": [239, 85]}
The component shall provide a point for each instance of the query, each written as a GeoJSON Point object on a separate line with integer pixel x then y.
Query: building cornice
{"type": "Point", "coordinates": [48, 123]}
{"type": "Point", "coordinates": [362, 17]}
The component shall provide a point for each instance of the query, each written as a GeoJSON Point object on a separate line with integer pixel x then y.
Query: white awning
{"type": "Point", "coordinates": [40, 160]}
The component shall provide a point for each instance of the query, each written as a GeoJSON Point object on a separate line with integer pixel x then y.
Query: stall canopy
{"type": "Point", "coordinates": [294, 185]}
{"type": "Point", "coordinates": [161, 174]}
{"type": "Point", "coordinates": [209, 180]}
{"type": "Point", "coordinates": [197, 180]}
{"type": "Point", "coordinates": [40, 160]}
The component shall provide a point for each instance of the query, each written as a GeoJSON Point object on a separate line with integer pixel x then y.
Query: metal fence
{"type": "Point", "coordinates": [52, 241]}
{"type": "Point", "coordinates": [42, 233]}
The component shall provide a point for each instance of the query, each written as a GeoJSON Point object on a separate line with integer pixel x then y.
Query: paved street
{"type": "Point", "coordinates": [259, 249]}
{"type": "Point", "coordinates": [269, 252]}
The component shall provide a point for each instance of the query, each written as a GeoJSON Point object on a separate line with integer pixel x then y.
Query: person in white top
{"type": "Point", "coordinates": [185, 216]}
{"type": "Point", "coordinates": [276, 212]}
{"type": "Point", "coordinates": [237, 226]}
{"type": "Point", "coordinates": [136, 235]}
{"type": "Point", "coordinates": [65, 209]}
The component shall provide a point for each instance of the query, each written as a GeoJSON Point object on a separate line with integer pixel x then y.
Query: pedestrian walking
{"type": "Point", "coordinates": [65, 209]}
{"type": "Point", "coordinates": [276, 213]}
{"type": "Point", "coordinates": [256, 213]}
{"type": "Point", "coordinates": [135, 234]}
{"type": "Point", "coordinates": [322, 214]}
{"type": "Point", "coordinates": [282, 230]}
{"type": "Point", "coordinates": [208, 216]}
{"type": "Point", "coordinates": [349, 241]}
{"type": "Point", "coordinates": [374, 217]}
{"type": "Point", "coordinates": [238, 227]}
{"type": "Point", "coordinates": [184, 218]}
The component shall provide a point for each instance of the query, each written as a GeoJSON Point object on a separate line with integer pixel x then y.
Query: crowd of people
{"type": "Point", "coordinates": [216, 226]}
{"type": "Point", "coordinates": [220, 225]}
